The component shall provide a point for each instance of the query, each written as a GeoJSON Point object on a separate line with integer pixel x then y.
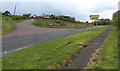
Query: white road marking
{"type": "Point", "coordinates": [19, 49]}
{"type": "Point", "coordinates": [5, 52]}
{"type": "Point", "coordinates": [24, 47]}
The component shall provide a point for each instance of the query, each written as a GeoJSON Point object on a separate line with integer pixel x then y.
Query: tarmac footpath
{"type": "Point", "coordinates": [82, 57]}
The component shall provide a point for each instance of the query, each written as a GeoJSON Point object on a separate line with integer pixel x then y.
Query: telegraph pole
{"type": "Point", "coordinates": [15, 8]}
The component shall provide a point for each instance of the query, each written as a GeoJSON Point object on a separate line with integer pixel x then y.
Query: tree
{"type": "Point", "coordinates": [104, 21]}
{"type": "Point", "coordinates": [7, 13]}
{"type": "Point", "coordinates": [116, 18]}
{"type": "Point", "coordinates": [52, 15]}
{"type": "Point", "coordinates": [87, 22]}
{"type": "Point", "coordinates": [27, 15]}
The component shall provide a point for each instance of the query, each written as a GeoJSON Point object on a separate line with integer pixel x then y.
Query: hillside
{"type": "Point", "coordinates": [55, 23]}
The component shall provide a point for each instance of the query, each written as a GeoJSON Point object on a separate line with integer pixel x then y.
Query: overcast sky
{"type": "Point", "coordinates": [80, 9]}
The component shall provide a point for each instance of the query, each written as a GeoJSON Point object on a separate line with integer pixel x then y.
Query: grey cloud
{"type": "Point", "coordinates": [56, 8]}
{"type": "Point", "coordinates": [102, 6]}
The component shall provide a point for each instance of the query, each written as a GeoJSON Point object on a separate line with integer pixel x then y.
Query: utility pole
{"type": "Point", "coordinates": [96, 22]}
{"type": "Point", "coordinates": [15, 8]}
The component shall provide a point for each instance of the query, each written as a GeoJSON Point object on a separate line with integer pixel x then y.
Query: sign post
{"type": "Point", "coordinates": [94, 17]}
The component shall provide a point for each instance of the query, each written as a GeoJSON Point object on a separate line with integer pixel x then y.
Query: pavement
{"type": "Point", "coordinates": [81, 58]}
{"type": "Point", "coordinates": [25, 34]}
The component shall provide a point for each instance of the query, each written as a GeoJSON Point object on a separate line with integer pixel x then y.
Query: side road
{"type": "Point", "coordinates": [82, 57]}
{"type": "Point", "coordinates": [26, 28]}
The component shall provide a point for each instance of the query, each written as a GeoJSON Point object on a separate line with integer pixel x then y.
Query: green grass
{"type": "Point", "coordinates": [94, 60]}
{"type": "Point", "coordinates": [109, 52]}
{"type": "Point", "coordinates": [41, 22]}
{"type": "Point", "coordinates": [8, 23]}
{"type": "Point", "coordinates": [44, 55]}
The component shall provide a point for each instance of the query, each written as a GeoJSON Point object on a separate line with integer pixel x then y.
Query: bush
{"type": "Point", "coordinates": [104, 22]}
{"type": "Point", "coordinates": [95, 22]}
{"type": "Point", "coordinates": [62, 24]}
{"type": "Point", "coordinates": [67, 18]}
{"type": "Point", "coordinates": [81, 22]}
{"type": "Point", "coordinates": [36, 23]}
{"type": "Point", "coordinates": [87, 22]}
{"type": "Point", "coordinates": [59, 21]}
{"type": "Point", "coordinates": [27, 15]}
{"type": "Point", "coordinates": [116, 18]}
{"type": "Point", "coordinates": [19, 17]}
{"type": "Point", "coordinates": [78, 22]}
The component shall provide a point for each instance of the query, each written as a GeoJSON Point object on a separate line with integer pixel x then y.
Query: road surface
{"type": "Point", "coordinates": [26, 28]}
{"type": "Point", "coordinates": [21, 37]}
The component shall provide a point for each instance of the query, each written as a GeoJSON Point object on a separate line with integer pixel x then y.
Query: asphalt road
{"type": "Point", "coordinates": [26, 28]}
{"type": "Point", "coordinates": [12, 44]}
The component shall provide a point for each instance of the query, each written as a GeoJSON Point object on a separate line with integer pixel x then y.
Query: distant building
{"type": "Point", "coordinates": [46, 17]}
{"type": "Point", "coordinates": [34, 16]}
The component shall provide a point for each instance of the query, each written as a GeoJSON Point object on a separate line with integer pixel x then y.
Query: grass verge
{"type": "Point", "coordinates": [107, 55]}
{"type": "Point", "coordinates": [49, 54]}
{"type": "Point", "coordinates": [53, 23]}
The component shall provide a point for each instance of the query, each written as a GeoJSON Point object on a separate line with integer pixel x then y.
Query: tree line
{"type": "Point", "coordinates": [61, 17]}
{"type": "Point", "coordinates": [102, 22]}
{"type": "Point", "coordinates": [116, 18]}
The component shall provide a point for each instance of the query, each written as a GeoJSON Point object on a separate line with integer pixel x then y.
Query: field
{"type": "Point", "coordinates": [49, 54]}
{"type": "Point", "coordinates": [53, 23]}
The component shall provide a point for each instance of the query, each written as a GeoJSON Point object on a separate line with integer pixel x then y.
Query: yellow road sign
{"type": "Point", "coordinates": [94, 17]}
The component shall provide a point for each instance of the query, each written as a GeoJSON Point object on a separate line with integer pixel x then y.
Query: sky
{"type": "Point", "coordinates": [80, 9]}
{"type": "Point", "coordinates": [119, 5]}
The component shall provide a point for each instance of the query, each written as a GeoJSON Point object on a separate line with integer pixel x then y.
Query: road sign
{"type": "Point", "coordinates": [94, 17]}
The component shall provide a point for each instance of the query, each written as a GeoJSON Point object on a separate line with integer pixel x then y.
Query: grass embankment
{"type": "Point", "coordinates": [8, 22]}
{"type": "Point", "coordinates": [53, 23]}
{"type": "Point", "coordinates": [107, 56]}
{"type": "Point", "coordinates": [116, 22]}
{"type": "Point", "coordinates": [109, 52]}
{"type": "Point", "coordinates": [50, 54]}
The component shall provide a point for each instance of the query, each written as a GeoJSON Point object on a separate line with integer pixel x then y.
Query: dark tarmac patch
{"type": "Point", "coordinates": [69, 43]}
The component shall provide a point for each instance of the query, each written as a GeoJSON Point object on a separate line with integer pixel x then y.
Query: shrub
{"type": "Point", "coordinates": [94, 60]}
{"type": "Point", "coordinates": [27, 15]}
{"type": "Point", "coordinates": [116, 18]}
{"type": "Point", "coordinates": [62, 24]}
{"type": "Point", "coordinates": [59, 21]}
{"type": "Point", "coordinates": [104, 22]}
{"type": "Point", "coordinates": [20, 17]}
